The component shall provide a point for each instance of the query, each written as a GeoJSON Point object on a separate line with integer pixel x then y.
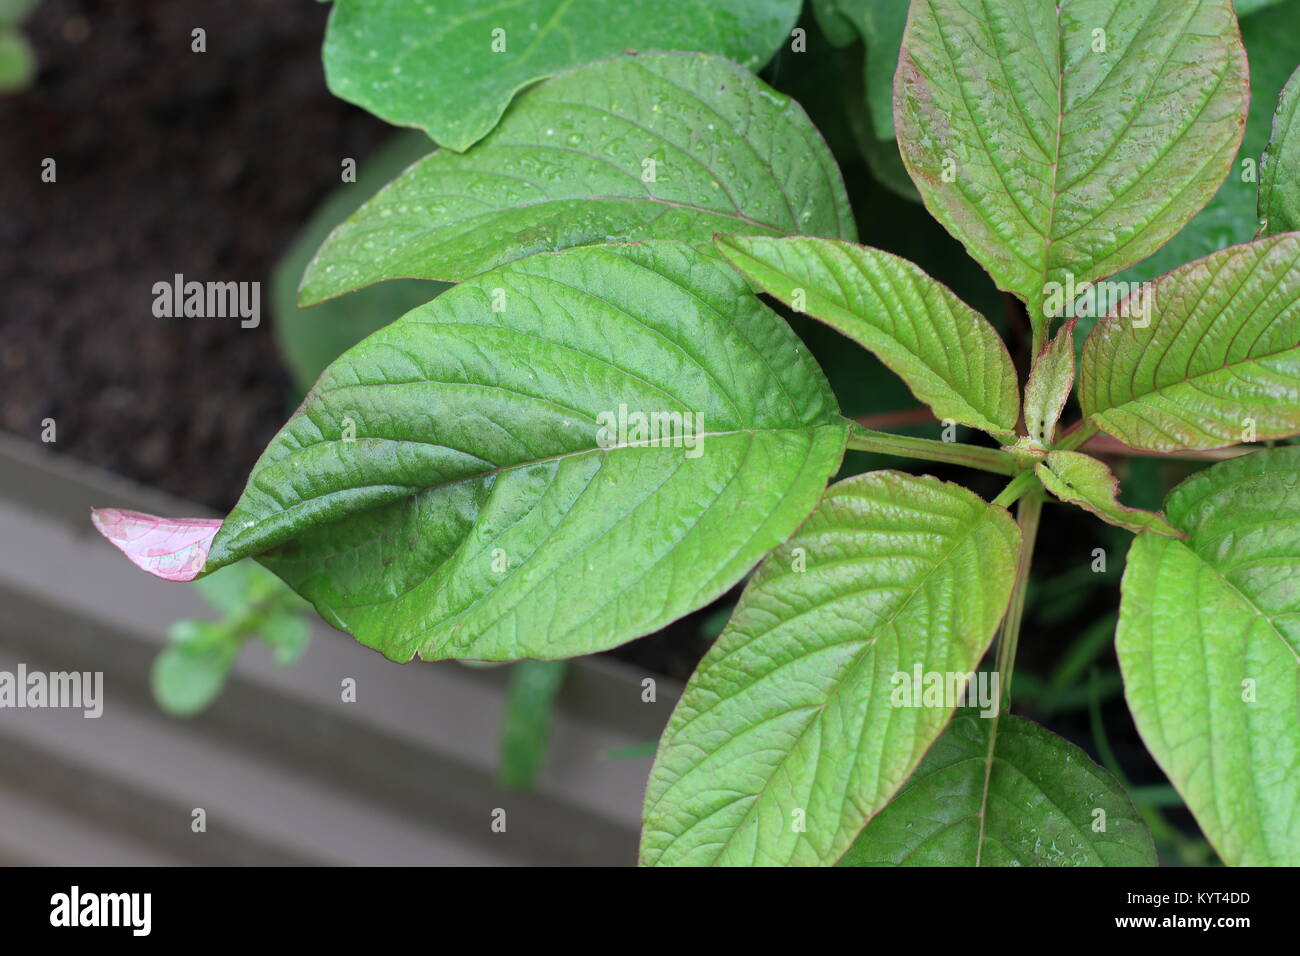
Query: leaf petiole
{"type": "Point", "coordinates": [1079, 433]}
{"type": "Point", "coordinates": [954, 453]}
{"type": "Point", "coordinates": [1019, 485]}
{"type": "Point", "coordinates": [1027, 514]}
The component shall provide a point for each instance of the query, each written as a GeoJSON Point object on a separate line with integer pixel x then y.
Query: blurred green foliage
{"type": "Point", "coordinates": [189, 674]}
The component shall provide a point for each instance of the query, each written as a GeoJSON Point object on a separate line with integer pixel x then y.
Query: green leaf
{"type": "Point", "coordinates": [948, 355]}
{"type": "Point", "coordinates": [1088, 483]}
{"type": "Point", "coordinates": [1247, 7]}
{"type": "Point", "coordinates": [1209, 646]}
{"type": "Point", "coordinates": [227, 590]}
{"type": "Point", "coordinates": [235, 589]}
{"type": "Point", "coordinates": [883, 159]}
{"type": "Point", "coordinates": [839, 30]}
{"type": "Point", "coordinates": [526, 728]}
{"type": "Point", "coordinates": [1279, 183]}
{"type": "Point", "coordinates": [1231, 217]}
{"type": "Point", "coordinates": [1212, 359]}
{"type": "Point", "coordinates": [1049, 385]}
{"type": "Point", "coordinates": [1006, 792]}
{"type": "Point", "coordinates": [245, 587]}
{"type": "Point", "coordinates": [309, 339]}
{"type": "Point", "coordinates": [189, 673]}
{"type": "Point", "coordinates": [882, 155]}
{"type": "Point", "coordinates": [443, 69]}
{"type": "Point", "coordinates": [1052, 160]}
{"type": "Point", "coordinates": [17, 60]}
{"type": "Point", "coordinates": [569, 164]}
{"type": "Point", "coordinates": [867, 92]}
{"type": "Point", "coordinates": [792, 717]}
{"type": "Point", "coordinates": [490, 505]}
{"type": "Point", "coordinates": [880, 24]}
{"type": "Point", "coordinates": [14, 12]}
{"type": "Point", "coordinates": [288, 635]}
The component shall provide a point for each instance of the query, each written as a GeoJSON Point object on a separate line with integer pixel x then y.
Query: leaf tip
{"type": "Point", "coordinates": [174, 549]}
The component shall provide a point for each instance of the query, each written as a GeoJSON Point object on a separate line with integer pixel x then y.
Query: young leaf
{"type": "Point", "coordinates": [174, 549]}
{"type": "Point", "coordinates": [1049, 385]}
{"type": "Point", "coordinates": [945, 351]}
{"type": "Point", "coordinates": [1209, 646]}
{"type": "Point", "coordinates": [288, 635]}
{"type": "Point", "coordinates": [662, 145]}
{"type": "Point", "coordinates": [189, 673]}
{"type": "Point", "coordinates": [1088, 483]}
{"type": "Point", "coordinates": [788, 737]}
{"type": "Point", "coordinates": [1068, 139]}
{"type": "Point", "coordinates": [479, 479]}
{"type": "Point", "coordinates": [1005, 792]}
{"type": "Point", "coordinates": [1279, 172]}
{"type": "Point", "coordinates": [1215, 359]}
{"type": "Point", "coordinates": [451, 69]}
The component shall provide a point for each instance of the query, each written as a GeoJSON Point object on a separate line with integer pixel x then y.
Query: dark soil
{"type": "Point", "coordinates": [168, 161]}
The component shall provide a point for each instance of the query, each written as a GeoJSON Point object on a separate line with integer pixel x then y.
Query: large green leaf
{"type": "Point", "coordinates": [1052, 159]}
{"type": "Point", "coordinates": [1273, 50]}
{"type": "Point", "coordinates": [948, 355]}
{"type": "Point", "coordinates": [1215, 362]}
{"type": "Point", "coordinates": [1006, 792]}
{"type": "Point", "coordinates": [442, 67]}
{"type": "Point", "coordinates": [487, 508]}
{"type": "Point", "coordinates": [1279, 184]}
{"type": "Point", "coordinates": [1209, 645]}
{"type": "Point", "coordinates": [568, 166]}
{"type": "Point", "coordinates": [792, 716]}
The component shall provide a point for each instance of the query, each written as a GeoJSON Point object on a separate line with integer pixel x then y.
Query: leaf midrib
{"type": "Point", "coordinates": [650, 200]}
{"type": "Point", "coordinates": [232, 546]}
{"type": "Point", "coordinates": [867, 646]}
{"type": "Point", "coordinates": [1191, 380]}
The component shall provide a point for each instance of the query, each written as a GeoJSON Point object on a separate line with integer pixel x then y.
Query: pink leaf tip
{"type": "Point", "coordinates": [174, 549]}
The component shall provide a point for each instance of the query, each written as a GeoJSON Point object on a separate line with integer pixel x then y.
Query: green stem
{"type": "Point", "coordinates": [1076, 436]}
{"type": "Point", "coordinates": [1028, 512]}
{"type": "Point", "coordinates": [1039, 338]}
{"type": "Point", "coordinates": [954, 453]}
{"type": "Point", "coordinates": [1013, 492]}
